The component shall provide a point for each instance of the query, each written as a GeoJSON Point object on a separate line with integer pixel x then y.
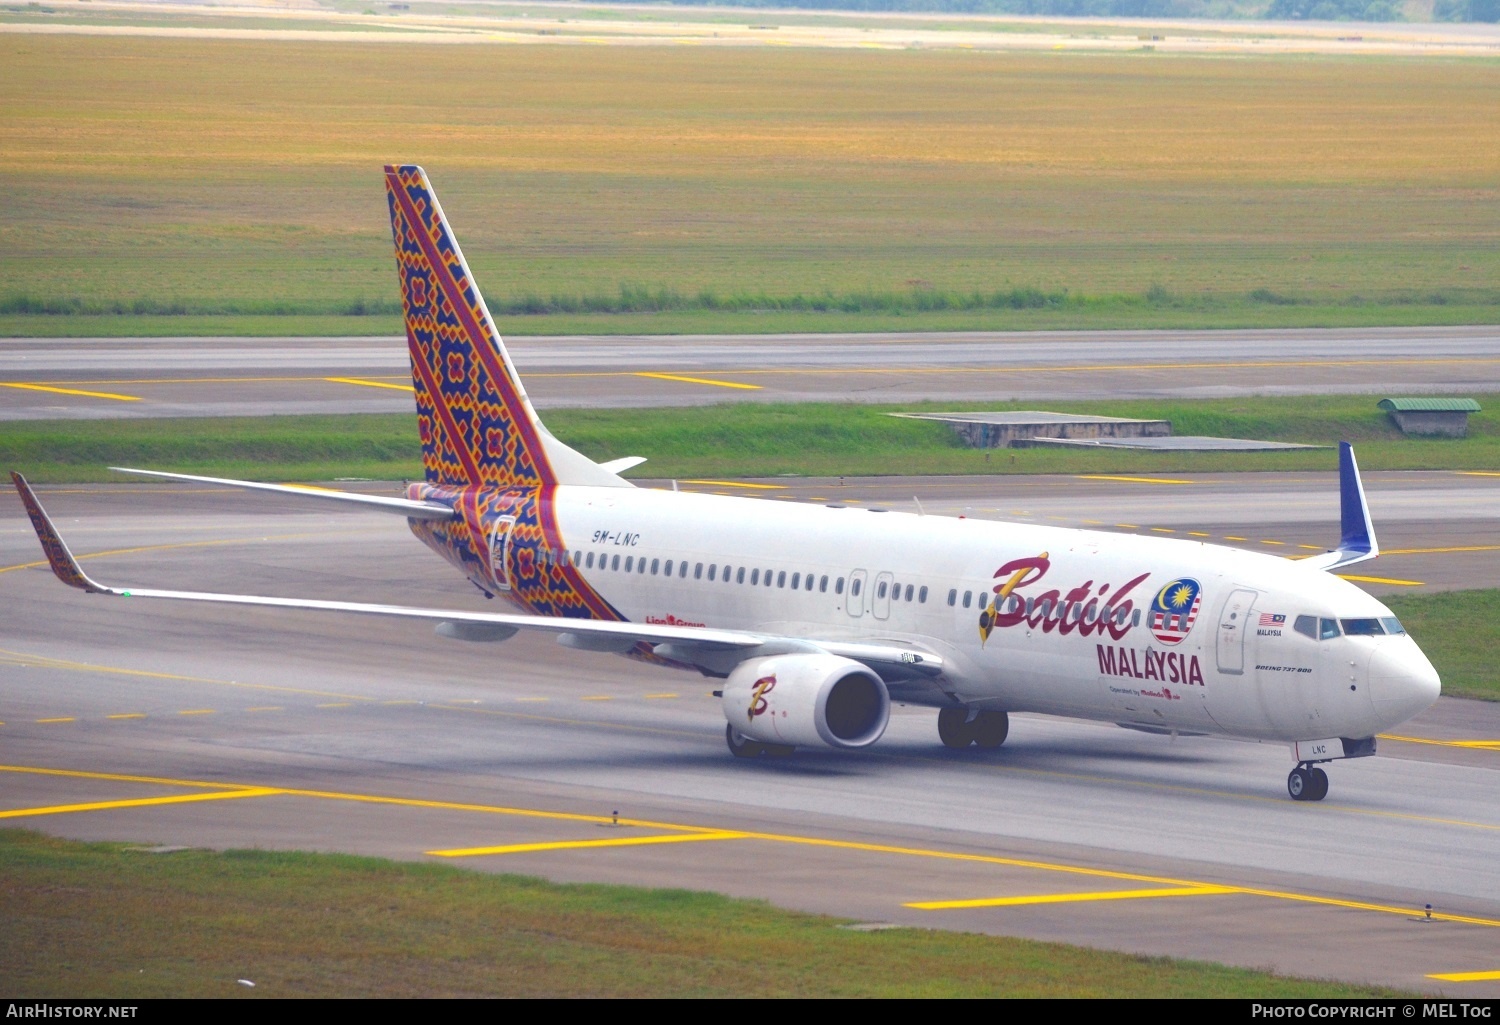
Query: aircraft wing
{"type": "Point", "coordinates": [681, 638]}
{"type": "Point", "coordinates": [1356, 530]}
{"type": "Point", "coordinates": [404, 506]}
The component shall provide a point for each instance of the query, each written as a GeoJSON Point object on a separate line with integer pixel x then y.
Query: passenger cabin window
{"type": "Point", "coordinates": [666, 568]}
{"type": "Point", "coordinates": [1307, 626]}
{"type": "Point", "coordinates": [640, 565]}
{"type": "Point", "coordinates": [1327, 629]}
{"type": "Point", "coordinates": [908, 592]}
{"type": "Point", "coordinates": [654, 564]}
{"type": "Point", "coordinates": [1363, 628]}
{"type": "Point", "coordinates": [881, 592]}
{"type": "Point", "coordinates": [591, 560]}
{"type": "Point", "coordinates": [711, 568]}
{"type": "Point", "coordinates": [739, 577]}
{"type": "Point", "coordinates": [952, 596]}
{"type": "Point", "coordinates": [796, 580]}
{"type": "Point", "coordinates": [838, 586]}
{"type": "Point", "coordinates": [854, 588]}
{"type": "Point", "coordinates": [698, 572]}
{"type": "Point", "coordinates": [754, 576]}
{"type": "Point", "coordinates": [968, 598]}
{"type": "Point", "coordinates": [780, 578]}
{"type": "Point", "coordinates": [682, 570]}
{"type": "Point", "coordinates": [922, 595]}
{"type": "Point", "coordinates": [823, 584]}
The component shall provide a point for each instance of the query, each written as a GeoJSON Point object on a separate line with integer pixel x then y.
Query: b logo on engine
{"type": "Point", "coordinates": [758, 703]}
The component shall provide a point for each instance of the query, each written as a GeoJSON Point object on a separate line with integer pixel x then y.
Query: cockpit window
{"type": "Point", "coordinates": [1392, 625]}
{"type": "Point", "coordinates": [1307, 626]}
{"type": "Point", "coordinates": [1363, 627]}
{"type": "Point", "coordinates": [1327, 628]}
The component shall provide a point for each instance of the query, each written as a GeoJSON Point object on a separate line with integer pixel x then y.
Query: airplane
{"type": "Point", "coordinates": [817, 618]}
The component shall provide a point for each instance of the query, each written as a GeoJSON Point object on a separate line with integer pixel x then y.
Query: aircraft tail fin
{"type": "Point", "coordinates": [477, 424]}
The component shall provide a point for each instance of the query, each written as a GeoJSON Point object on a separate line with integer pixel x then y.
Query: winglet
{"type": "Point", "coordinates": [62, 561]}
{"type": "Point", "coordinates": [1356, 532]}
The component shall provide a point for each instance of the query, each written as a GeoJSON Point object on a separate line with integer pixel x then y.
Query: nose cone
{"type": "Point", "coordinates": [1402, 681]}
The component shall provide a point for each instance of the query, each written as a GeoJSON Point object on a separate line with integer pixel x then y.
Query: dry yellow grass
{"type": "Point", "coordinates": [214, 170]}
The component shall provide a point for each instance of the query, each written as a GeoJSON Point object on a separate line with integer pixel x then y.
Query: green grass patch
{"type": "Point", "coordinates": [789, 315]}
{"type": "Point", "coordinates": [746, 440]}
{"type": "Point", "coordinates": [239, 178]}
{"type": "Point", "coordinates": [109, 920]}
{"type": "Point", "coordinates": [1459, 631]}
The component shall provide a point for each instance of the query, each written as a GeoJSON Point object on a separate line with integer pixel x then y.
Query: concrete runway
{"type": "Point", "coordinates": [222, 727]}
{"type": "Point", "coordinates": [154, 377]}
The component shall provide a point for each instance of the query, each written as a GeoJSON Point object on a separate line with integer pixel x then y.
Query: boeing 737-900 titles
{"type": "Point", "coordinates": [817, 618]}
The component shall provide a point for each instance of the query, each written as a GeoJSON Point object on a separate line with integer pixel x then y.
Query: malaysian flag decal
{"type": "Point", "coordinates": [1175, 609]}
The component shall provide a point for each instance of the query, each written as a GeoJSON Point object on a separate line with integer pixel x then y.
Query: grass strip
{"type": "Point", "coordinates": [747, 440]}
{"type": "Point", "coordinates": [114, 920]}
{"type": "Point", "coordinates": [789, 319]}
{"type": "Point", "coordinates": [1459, 631]}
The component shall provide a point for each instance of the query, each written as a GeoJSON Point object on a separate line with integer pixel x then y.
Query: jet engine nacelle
{"type": "Point", "coordinates": [807, 699]}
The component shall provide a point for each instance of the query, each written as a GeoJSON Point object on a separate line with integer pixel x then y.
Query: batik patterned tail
{"type": "Point", "coordinates": [477, 426]}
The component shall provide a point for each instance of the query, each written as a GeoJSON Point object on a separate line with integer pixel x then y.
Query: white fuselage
{"type": "Point", "coordinates": [1227, 664]}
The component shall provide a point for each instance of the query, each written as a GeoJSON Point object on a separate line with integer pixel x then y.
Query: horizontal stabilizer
{"type": "Point", "coordinates": [404, 506]}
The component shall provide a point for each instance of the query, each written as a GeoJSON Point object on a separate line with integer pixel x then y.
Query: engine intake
{"type": "Point", "coordinates": [807, 699]}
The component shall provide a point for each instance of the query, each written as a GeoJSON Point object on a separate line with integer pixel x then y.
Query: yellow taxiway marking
{"type": "Point", "coordinates": [127, 715]}
{"type": "Point", "coordinates": [197, 711]}
{"type": "Point", "coordinates": [1127, 526]}
{"type": "Point", "coordinates": [1481, 745]}
{"type": "Point", "coordinates": [266, 708]}
{"type": "Point", "coordinates": [742, 484]}
{"type": "Point", "coordinates": [369, 384]}
{"type": "Point", "coordinates": [1134, 480]}
{"type": "Point", "coordinates": [1333, 902]}
{"type": "Point", "coordinates": [597, 697]}
{"type": "Point", "coordinates": [1467, 976]}
{"type": "Point", "coordinates": [1066, 898]}
{"type": "Point", "coordinates": [1381, 580]}
{"type": "Point", "coordinates": [1475, 473]}
{"type": "Point", "coordinates": [532, 699]}
{"type": "Point", "coordinates": [35, 770]}
{"type": "Point", "coordinates": [158, 548]}
{"type": "Point", "coordinates": [1440, 551]}
{"type": "Point", "coordinates": [44, 662]}
{"type": "Point", "coordinates": [651, 697]}
{"type": "Point", "coordinates": [698, 380]}
{"type": "Point", "coordinates": [61, 718]}
{"type": "Point", "coordinates": [1232, 537]}
{"type": "Point", "coordinates": [139, 802]}
{"type": "Point", "coordinates": [336, 704]}
{"type": "Point", "coordinates": [677, 829]}
{"type": "Point", "coordinates": [1267, 541]}
{"type": "Point", "coordinates": [70, 391]}
{"type": "Point", "coordinates": [1320, 548]}
{"type": "Point", "coordinates": [1198, 533]}
{"type": "Point", "coordinates": [583, 845]}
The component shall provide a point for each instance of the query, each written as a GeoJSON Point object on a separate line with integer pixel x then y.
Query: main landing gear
{"type": "Point", "coordinates": [742, 746]}
{"type": "Point", "coordinates": [959, 727]}
{"type": "Point", "coordinates": [1307, 782]}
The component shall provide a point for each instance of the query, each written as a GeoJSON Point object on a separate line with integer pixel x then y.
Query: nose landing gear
{"type": "Point", "coordinates": [1307, 782]}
